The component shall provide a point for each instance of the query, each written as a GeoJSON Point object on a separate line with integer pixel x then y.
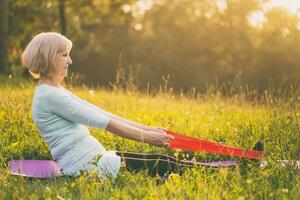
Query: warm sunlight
{"type": "Point", "coordinates": [291, 5]}
{"type": "Point", "coordinates": [158, 99]}
{"type": "Point", "coordinates": [258, 18]}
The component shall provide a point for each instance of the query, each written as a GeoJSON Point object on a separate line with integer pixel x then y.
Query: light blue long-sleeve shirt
{"type": "Point", "coordinates": [61, 117]}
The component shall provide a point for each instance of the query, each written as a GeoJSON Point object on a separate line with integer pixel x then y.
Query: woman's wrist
{"type": "Point", "coordinates": [143, 136]}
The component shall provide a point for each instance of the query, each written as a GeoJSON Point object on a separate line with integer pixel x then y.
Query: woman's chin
{"type": "Point", "coordinates": [64, 76]}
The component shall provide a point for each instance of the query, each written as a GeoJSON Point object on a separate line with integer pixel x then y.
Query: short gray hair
{"type": "Point", "coordinates": [39, 55]}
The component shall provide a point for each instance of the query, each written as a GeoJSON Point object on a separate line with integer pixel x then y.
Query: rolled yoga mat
{"type": "Point", "coordinates": [35, 168]}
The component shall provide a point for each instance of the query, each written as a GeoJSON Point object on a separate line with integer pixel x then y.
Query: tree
{"type": "Point", "coordinates": [3, 35]}
{"type": "Point", "coordinates": [62, 17]}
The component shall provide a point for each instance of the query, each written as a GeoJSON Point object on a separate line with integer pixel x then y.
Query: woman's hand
{"type": "Point", "coordinates": [157, 138]}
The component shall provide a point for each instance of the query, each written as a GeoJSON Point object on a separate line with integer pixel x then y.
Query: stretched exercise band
{"type": "Point", "coordinates": [181, 141]}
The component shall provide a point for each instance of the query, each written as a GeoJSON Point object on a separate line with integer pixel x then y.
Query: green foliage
{"type": "Point", "coordinates": [232, 121]}
{"type": "Point", "coordinates": [193, 42]}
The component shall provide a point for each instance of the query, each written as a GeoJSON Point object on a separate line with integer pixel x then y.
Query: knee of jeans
{"type": "Point", "coordinates": [109, 164]}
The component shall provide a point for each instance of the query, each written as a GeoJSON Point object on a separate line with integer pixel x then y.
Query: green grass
{"type": "Point", "coordinates": [232, 121]}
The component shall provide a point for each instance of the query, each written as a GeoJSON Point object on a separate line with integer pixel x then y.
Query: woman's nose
{"type": "Point", "coordinates": [70, 61]}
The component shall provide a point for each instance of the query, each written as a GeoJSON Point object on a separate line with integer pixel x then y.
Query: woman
{"type": "Point", "coordinates": [61, 117]}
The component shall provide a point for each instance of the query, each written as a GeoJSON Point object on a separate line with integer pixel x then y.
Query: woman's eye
{"type": "Point", "coordinates": [65, 55]}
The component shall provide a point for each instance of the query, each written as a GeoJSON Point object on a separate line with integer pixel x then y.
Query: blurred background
{"type": "Point", "coordinates": [180, 43]}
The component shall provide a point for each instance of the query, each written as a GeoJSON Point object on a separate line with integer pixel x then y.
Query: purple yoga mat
{"type": "Point", "coordinates": [50, 168]}
{"type": "Point", "coordinates": [222, 163]}
{"type": "Point", "coordinates": [35, 168]}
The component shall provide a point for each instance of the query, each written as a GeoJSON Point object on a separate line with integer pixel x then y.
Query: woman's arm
{"type": "Point", "coordinates": [117, 118]}
{"type": "Point", "coordinates": [133, 133]}
{"type": "Point", "coordinates": [65, 106]}
{"type": "Point", "coordinates": [132, 123]}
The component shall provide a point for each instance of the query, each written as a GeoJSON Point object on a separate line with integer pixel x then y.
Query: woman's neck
{"type": "Point", "coordinates": [49, 81]}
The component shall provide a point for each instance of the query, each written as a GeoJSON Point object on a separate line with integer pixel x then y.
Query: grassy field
{"type": "Point", "coordinates": [233, 121]}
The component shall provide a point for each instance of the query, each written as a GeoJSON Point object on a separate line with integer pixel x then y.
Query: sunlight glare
{"type": "Point", "coordinates": [139, 8]}
{"type": "Point", "coordinates": [145, 4]}
{"type": "Point", "coordinates": [221, 4]}
{"type": "Point", "coordinates": [257, 19]}
{"type": "Point", "coordinates": [291, 6]}
{"type": "Point", "coordinates": [126, 8]}
{"type": "Point", "coordinates": [138, 26]}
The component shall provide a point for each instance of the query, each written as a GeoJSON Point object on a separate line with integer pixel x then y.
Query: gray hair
{"type": "Point", "coordinates": [39, 55]}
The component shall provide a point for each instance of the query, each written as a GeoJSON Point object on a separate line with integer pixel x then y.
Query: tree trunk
{"type": "Point", "coordinates": [3, 35]}
{"type": "Point", "coordinates": [62, 17]}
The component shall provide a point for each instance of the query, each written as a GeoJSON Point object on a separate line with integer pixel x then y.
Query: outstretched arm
{"type": "Point", "coordinates": [117, 118]}
{"type": "Point", "coordinates": [130, 132]}
{"type": "Point", "coordinates": [132, 123]}
{"type": "Point", "coordinates": [70, 109]}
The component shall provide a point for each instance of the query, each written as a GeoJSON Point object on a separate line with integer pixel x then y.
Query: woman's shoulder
{"type": "Point", "coordinates": [48, 91]}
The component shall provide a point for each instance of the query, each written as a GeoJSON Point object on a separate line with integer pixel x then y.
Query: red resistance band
{"type": "Point", "coordinates": [193, 144]}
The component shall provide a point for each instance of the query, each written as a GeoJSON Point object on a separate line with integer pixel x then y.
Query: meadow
{"type": "Point", "coordinates": [235, 120]}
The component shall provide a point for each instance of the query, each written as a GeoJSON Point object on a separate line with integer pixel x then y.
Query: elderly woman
{"type": "Point", "coordinates": [61, 117]}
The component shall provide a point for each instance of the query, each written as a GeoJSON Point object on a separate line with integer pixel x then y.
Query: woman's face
{"type": "Point", "coordinates": [62, 62]}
